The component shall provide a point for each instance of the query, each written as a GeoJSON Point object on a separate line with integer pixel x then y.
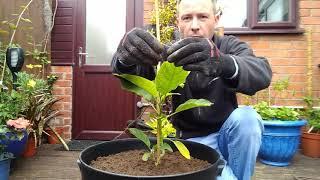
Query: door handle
{"type": "Point", "coordinates": [80, 53]}
{"type": "Point", "coordinates": [141, 104]}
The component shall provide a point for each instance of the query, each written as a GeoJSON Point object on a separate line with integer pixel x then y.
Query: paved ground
{"type": "Point", "coordinates": [52, 164]}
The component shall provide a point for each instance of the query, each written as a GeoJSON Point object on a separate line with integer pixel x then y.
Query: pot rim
{"type": "Point", "coordinates": [80, 161]}
{"type": "Point", "coordinates": [300, 122]}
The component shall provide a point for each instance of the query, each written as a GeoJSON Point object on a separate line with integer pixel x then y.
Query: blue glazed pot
{"type": "Point", "coordinates": [4, 168]}
{"type": "Point", "coordinates": [280, 141]}
{"type": "Point", "coordinates": [15, 147]}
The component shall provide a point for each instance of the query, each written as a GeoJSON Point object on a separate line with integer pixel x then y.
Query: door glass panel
{"type": "Point", "coordinates": [105, 26]}
{"type": "Point", "coordinates": [273, 10]}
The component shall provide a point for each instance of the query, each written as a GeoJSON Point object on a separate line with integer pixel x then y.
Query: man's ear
{"type": "Point", "coordinates": [217, 18]}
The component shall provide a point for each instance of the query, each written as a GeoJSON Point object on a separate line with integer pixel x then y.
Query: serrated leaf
{"type": "Point", "coordinates": [127, 85]}
{"type": "Point", "coordinates": [26, 20]}
{"type": "Point", "coordinates": [192, 103]}
{"type": "Point", "coordinates": [182, 149]}
{"type": "Point", "coordinates": [140, 135]}
{"type": "Point", "coordinates": [141, 82]}
{"type": "Point", "coordinates": [169, 77]}
{"type": "Point", "coordinates": [166, 146]}
{"type": "Point", "coordinates": [146, 156]}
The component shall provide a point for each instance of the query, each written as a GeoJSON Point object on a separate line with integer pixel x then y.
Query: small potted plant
{"type": "Point", "coordinates": [12, 131]}
{"type": "Point", "coordinates": [310, 141]}
{"type": "Point", "coordinates": [282, 130]}
{"type": "Point", "coordinates": [153, 153]}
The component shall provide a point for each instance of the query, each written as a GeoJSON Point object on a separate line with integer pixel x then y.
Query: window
{"type": "Point", "coordinates": [259, 16]}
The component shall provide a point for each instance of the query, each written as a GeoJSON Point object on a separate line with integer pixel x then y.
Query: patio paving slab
{"type": "Point", "coordinates": [50, 163]}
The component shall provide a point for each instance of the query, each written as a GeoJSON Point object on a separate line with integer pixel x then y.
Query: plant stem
{"type": "Point", "coordinates": [158, 153]}
{"type": "Point", "coordinates": [156, 4]}
{"type": "Point", "coordinates": [309, 56]}
{"type": "Point", "coordinates": [12, 36]}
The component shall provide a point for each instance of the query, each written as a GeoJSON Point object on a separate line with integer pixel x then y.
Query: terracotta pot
{"type": "Point", "coordinates": [30, 149]}
{"type": "Point", "coordinates": [310, 143]}
{"type": "Point", "coordinates": [53, 139]}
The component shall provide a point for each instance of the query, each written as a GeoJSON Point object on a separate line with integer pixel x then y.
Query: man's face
{"type": "Point", "coordinates": [196, 18]}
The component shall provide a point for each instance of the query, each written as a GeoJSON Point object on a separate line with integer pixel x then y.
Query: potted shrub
{"type": "Point", "coordinates": [282, 130]}
{"type": "Point", "coordinates": [310, 141]}
{"type": "Point", "coordinates": [153, 153]}
{"type": "Point", "coordinates": [39, 103]}
{"type": "Point", "coordinates": [11, 105]}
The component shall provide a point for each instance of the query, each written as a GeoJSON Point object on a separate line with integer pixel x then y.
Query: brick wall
{"type": "Point", "coordinates": [287, 53]}
{"type": "Point", "coordinates": [63, 90]}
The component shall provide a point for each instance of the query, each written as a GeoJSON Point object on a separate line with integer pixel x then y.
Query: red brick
{"type": "Point", "coordinates": [315, 12]}
{"type": "Point", "coordinates": [297, 54]}
{"type": "Point", "coordinates": [67, 121]}
{"type": "Point", "coordinates": [280, 45]}
{"type": "Point", "coordinates": [289, 69]}
{"type": "Point", "coordinates": [68, 76]}
{"type": "Point", "coordinates": [259, 45]}
{"type": "Point", "coordinates": [63, 83]}
{"type": "Point", "coordinates": [310, 20]}
{"type": "Point", "coordinates": [304, 12]}
{"type": "Point", "coordinates": [309, 4]}
{"type": "Point", "coordinates": [67, 106]}
{"type": "Point", "coordinates": [68, 91]}
{"type": "Point", "coordinates": [64, 98]}
{"type": "Point", "coordinates": [57, 91]}
{"type": "Point", "coordinates": [63, 69]}
{"type": "Point", "coordinates": [65, 114]}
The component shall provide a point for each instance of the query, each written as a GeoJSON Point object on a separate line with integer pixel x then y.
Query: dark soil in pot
{"type": "Point", "coordinates": [131, 163]}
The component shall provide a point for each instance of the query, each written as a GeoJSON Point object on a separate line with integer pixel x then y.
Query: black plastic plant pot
{"type": "Point", "coordinates": [197, 150]}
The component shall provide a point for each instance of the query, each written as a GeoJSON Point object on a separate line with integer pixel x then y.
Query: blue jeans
{"type": "Point", "coordinates": [238, 141]}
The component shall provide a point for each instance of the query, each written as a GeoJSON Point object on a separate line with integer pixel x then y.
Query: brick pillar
{"type": "Point", "coordinates": [62, 89]}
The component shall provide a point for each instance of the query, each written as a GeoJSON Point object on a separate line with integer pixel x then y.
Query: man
{"type": "Point", "coordinates": [220, 67]}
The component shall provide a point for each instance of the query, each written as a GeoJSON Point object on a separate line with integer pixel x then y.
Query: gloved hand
{"type": "Point", "coordinates": [139, 47]}
{"type": "Point", "coordinates": [139, 124]}
{"type": "Point", "coordinates": [199, 54]}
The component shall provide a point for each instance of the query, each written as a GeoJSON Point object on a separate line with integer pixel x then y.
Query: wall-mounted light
{"type": "Point", "coordinates": [15, 60]}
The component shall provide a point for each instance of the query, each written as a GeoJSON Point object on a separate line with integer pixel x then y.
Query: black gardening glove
{"type": "Point", "coordinates": [139, 124]}
{"type": "Point", "coordinates": [202, 55]}
{"type": "Point", "coordinates": [139, 47]}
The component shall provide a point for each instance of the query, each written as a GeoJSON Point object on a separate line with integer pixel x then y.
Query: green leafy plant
{"type": "Point", "coordinates": [311, 114]}
{"type": "Point", "coordinates": [268, 112]}
{"type": "Point", "coordinates": [168, 78]}
{"type": "Point", "coordinates": [11, 105]}
{"type": "Point", "coordinates": [39, 103]}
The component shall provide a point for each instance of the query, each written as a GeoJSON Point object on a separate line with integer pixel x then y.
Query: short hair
{"type": "Point", "coordinates": [214, 3]}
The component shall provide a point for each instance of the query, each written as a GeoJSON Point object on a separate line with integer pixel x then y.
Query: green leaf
{"type": "Point", "coordinates": [166, 146]}
{"type": "Point", "coordinates": [146, 156]}
{"type": "Point", "coordinates": [12, 26]}
{"type": "Point", "coordinates": [169, 77]}
{"type": "Point", "coordinates": [141, 82]}
{"type": "Point", "coordinates": [4, 32]}
{"type": "Point", "coordinates": [182, 149]}
{"type": "Point", "coordinates": [127, 85]}
{"type": "Point", "coordinates": [26, 20]}
{"type": "Point", "coordinates": [192, 103]}
{"type": "Point", "coordinates": [140, 135]}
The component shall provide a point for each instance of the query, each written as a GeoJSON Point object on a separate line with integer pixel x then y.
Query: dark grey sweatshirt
{"type": "Point", "coordinates": [254, 74]}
